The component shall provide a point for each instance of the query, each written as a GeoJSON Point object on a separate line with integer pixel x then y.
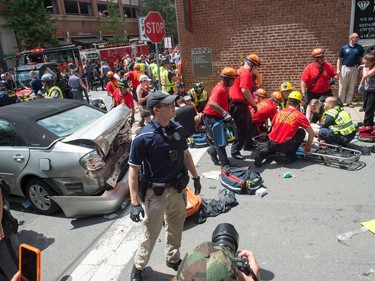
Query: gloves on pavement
{"type": "Point", "coordinates": [135, 212]}
{"type": "Point", "coordinates": [197, 185]}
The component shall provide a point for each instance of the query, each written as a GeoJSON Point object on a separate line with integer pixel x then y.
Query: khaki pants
{"type": "Point", "coordinates": [170, 208]}
{"type": "Point", "coordinates": [347, 82]}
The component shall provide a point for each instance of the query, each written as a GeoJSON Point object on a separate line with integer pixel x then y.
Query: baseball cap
{"type": "Point", "coordinates": [186, 98]}
{"type": "Point", "coordinates": [208, 262]}
{"type": "Point", "coordinates": [144, 78]}
{"type": "Point", "coordinates": [160, 97]}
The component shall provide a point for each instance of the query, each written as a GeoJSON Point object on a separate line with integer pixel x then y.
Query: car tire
{"type": "Point", "coordinates": [39, 193]}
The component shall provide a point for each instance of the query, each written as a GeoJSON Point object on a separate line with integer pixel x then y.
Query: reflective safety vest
{"type": "Point", "coordinates": [154, 70]}
{"type": "Point", "coordinates": [196, 99]}
{"type": "Point", "coordinates": [142, 66]}
{"type": "Point", "coordinates": [343, 122]}
{"type": "Point", "coordinates": [166, 85]}
{"type": "Point", "coordinates": [54, 88]}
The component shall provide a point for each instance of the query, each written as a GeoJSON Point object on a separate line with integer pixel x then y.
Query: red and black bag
{"type": "Point", "coordinates": [240, 180]}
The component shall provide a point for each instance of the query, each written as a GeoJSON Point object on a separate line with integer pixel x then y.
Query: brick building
{"type": "Point", "coordinates": [282, 33]}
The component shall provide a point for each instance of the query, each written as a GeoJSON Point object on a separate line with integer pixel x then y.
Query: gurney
{"type": "Point", "coordinates": [330, 154]}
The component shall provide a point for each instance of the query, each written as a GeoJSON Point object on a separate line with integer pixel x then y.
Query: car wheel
{"type": "Point", "coordinates": [39, 193]}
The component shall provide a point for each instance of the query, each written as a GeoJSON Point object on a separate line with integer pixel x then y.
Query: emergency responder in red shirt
{"type": "Point", "coordinates": [287, 132]}
{"type": "Point", "coordinates": [216, 109]}
{"type": "Point", "coordinates": [122, 95]}
{"type": "Point", "coordinates": [134, 78]}
{"type": "Point", "coordinates": [241, 97]}
{"type": "Point", "coordinates": [316, 77]}
{"type": "Point", "coordinates": [112, 83]}
{"type": "Point", "coordinates": [267, 108]}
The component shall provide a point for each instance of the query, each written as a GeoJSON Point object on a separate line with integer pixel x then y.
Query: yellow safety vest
{"type": "Point", "coordinates": [203, 96]}
{"type": "Point", "coordinates": [154, 70]}
{"type": "Point", "coordinates": [343, 122]}
{"type": "Point", "coordinates": [49, 92]}
{"type": "Point", "coordinates": [142, 66]}
{"type": "Point", "coordinates": [166, 85]}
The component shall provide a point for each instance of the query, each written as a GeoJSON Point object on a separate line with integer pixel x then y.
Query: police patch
{"type": "Point", "coordinates": [177, 136]}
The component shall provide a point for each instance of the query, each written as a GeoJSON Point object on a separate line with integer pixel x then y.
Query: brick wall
{"type": "Point", "coordinates": [282, 33]}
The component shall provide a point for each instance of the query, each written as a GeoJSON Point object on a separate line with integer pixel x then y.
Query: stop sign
{"type": "Point", "coordinates": [154, 27]}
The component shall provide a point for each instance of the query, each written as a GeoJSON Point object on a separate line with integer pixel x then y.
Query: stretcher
{"type": "Point", "coordinates": [327, 153]}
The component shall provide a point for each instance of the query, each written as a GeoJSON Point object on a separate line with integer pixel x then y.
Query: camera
{"type": "Point", "coordinates": [226, 236]}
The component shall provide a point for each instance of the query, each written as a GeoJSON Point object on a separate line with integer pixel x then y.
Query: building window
{"type": "Point", "coordinates": [51, 6]}
{"type": "Point", "coordinates": [77, 8]}
{"type": "Point", "coordinates": [130, 12]}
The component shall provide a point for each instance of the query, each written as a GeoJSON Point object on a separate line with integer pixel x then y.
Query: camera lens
{"type": "Point", "coordinates": [225, 235]}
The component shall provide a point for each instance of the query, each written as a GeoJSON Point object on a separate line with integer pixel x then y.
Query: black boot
{"type": "Point", "coordinates": [174, 265]}
{"type": "Point", "coordinates": [136, 274]}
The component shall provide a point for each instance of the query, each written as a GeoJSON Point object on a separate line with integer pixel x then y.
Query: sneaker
{"type": "Point", "coordinates": [174, 265]}
{"type": "Point", "coordinates": [136, 274]}
{"type": "Point", "coordinates": [238, 156]}
{"type": "Point", "coordinates": [214, 159]}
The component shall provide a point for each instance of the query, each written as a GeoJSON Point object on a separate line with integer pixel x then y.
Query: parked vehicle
{"type": "Point", "coordinates": [65, 154]}
{"type": "Point", "coordinates": [111, 52]}
{"type": "Point", "coordinates": [62, 55]}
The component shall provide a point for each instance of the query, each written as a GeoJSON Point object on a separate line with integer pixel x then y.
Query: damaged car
{"type": "Point", "coordinates": [65, 154]}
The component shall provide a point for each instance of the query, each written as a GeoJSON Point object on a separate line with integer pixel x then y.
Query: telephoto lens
{"type": "Point", "coordinates": [225, 235]}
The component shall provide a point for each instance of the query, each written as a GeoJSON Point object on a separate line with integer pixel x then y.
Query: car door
{"type": "Point", "coordinates": [14, 155]}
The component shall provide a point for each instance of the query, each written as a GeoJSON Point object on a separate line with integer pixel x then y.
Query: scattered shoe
{"type": "Point", "coordinates": [174, 265]}
{"type": "Point", "coordinates": [136, 274]}
{"type": "Point", "coordinates": [238, 156]}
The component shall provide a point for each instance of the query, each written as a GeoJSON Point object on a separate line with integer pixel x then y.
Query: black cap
{"type": "Point", "coordinates": [160, 97]}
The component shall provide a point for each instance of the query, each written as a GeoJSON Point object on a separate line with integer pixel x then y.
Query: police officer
{"type": "Point", "coordinates": [159, 160]}
{"type": "Point", "coordinates": [52, 91]}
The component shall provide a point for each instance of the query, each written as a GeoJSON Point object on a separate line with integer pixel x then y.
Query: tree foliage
{"type": "Point", "coordinates": [32, 23]}
{"type": "Point", "coordinates": [167, 10]}
{"type": "Point", "coordinates": [113, 22]}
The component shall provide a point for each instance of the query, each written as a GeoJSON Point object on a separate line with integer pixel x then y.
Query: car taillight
{"type": "Point", "coordinates": [92, 161]}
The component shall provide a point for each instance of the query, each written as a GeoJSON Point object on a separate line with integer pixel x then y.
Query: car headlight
{"type": "Point", "coordinates": [92, 161]}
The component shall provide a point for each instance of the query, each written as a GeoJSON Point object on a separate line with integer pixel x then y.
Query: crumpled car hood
{"type": "Point", "coordinates": [103, 131]}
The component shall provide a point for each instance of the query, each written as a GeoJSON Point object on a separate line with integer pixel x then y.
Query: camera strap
{"type": "Point", "coordinates": [316, 78]}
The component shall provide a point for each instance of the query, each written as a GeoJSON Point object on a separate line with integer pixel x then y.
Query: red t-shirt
{"type": "Point", "coordinates": [286, 123]}
{"type": "Point", "coordinates": [220, 95]}
{"type": "Point", "coordinates": [311, 72]}
{"type": "Point", "coordinates": [266, 109]}
{"type": "Point", "coordinates": [244, 80]}
{"type": "Point", "coordinates": [127, 98]}
{"type": "Point", "coordinates": [134, 77]}
{"type": "Point", "coordinates": [111, 86]}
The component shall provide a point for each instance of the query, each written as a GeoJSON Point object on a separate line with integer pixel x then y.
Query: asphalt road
{"type": "Point", "coordinates": [292, 230]}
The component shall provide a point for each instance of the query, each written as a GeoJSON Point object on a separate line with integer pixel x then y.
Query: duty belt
{"type": "Point", "coordinates": [165, 184]}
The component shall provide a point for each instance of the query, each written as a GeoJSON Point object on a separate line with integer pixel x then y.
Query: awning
{"type": "Point", "coordinates": [87, 41]}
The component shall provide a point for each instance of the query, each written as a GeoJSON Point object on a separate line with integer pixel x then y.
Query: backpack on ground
{"type": "Point", "coordinates": [197, 140]}
{"type": "Point", "coordinates": [240, 180]}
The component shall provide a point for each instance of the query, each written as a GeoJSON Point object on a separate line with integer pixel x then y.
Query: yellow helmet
{"type": "Point", "coordinates": [295, 95]}
{"type": "Point", "coordinates": [285, 86]}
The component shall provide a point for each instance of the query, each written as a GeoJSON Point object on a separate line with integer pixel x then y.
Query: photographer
{"type": "Point", "coordinates": [216, 260]}
{"type": "Point", "coordinates": [159, 155]}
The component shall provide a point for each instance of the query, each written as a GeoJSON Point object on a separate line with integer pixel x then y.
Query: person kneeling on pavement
{"type": "Point", "coordinates": [288, 132]}
{"type": "Point", "coordinates": [337, 126]}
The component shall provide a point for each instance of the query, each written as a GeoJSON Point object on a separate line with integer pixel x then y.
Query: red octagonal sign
{"type": "Point", "coordinates": [154, 27]}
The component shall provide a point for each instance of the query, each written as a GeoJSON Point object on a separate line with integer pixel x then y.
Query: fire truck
{"type": "Point", "coordinates": [111, 52]}
{"type": "Point", "coordinates": [62, 55]}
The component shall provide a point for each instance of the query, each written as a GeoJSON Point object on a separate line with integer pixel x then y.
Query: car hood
{"type": "Point", "coordinates": [103, 131]}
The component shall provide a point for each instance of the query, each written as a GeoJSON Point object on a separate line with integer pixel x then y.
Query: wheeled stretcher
{"type": "Point", "coordinates": [330, 154]}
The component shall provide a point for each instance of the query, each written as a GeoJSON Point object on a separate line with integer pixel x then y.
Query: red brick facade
{"type": "Point", "coordinates": [282, 33]}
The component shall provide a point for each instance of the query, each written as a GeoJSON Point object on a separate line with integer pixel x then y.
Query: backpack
{"type": "Point", "coordinates": [197, 140]}
{"type": "Point", "coordinates": [240, 180]}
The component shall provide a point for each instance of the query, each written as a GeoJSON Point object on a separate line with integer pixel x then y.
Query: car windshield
{"type": "Point", "coordinates": [68, 122]}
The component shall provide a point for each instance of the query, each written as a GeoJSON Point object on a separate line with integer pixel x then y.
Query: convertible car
{"type": "Point", "coordinates": [65, 154]}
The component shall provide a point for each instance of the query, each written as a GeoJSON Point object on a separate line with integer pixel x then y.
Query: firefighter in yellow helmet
{"type": "Point", "coordinates": [288, 132]}
{"type": "Point", "coordinates": [285, 88]}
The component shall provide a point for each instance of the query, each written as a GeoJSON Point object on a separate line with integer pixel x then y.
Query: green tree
{"type": "Point", "coordinates": [167, 10]}
{"type": "Point", "coordinates": [113, 23]}
{"type": "Point", "coordinates": [32, 23]}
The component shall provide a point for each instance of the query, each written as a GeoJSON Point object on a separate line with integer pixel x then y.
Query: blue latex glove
{"type": "Point", "coordinates": [361, 90]}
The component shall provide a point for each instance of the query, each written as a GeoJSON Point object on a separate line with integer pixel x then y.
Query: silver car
{"type": "Point", "coordinates": [65, 154]}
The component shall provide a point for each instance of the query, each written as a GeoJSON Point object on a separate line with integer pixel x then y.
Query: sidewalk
{"type": "Point", "coordinates": [356, 115]}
